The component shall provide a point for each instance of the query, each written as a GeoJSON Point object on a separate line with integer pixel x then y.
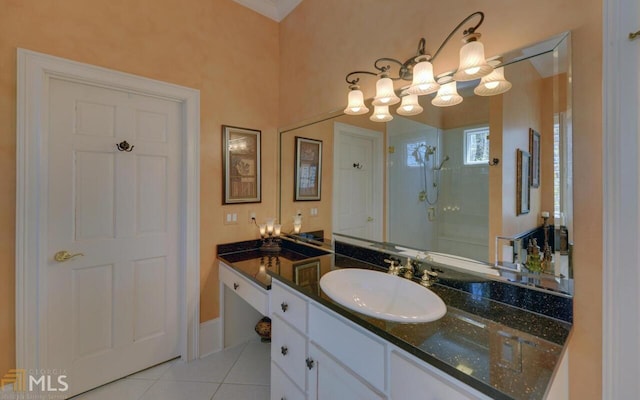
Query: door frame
{"type": "Point", "coordinates": [621, 201]}
{"type": "Point", "coordinates": [34, 73]}
{"type": "Point", "coordinates": [378, 170]}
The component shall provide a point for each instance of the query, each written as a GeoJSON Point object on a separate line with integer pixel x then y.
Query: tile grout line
{"type": "Point", "coordinates": [244, 347]}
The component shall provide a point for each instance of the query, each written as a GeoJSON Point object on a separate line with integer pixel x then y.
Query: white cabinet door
{"type": "Point", "coordinates": [357, 349]}
{"type": "Point", "coordinates": [411, 379]}
{"type": "Point", "coordinates": [281, 386]}
{"type": "Point", "coordinates": [329, 379]}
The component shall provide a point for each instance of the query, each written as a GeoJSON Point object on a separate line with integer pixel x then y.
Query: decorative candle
{"type": "Point", "coordinates": [297, 227]}
{"type": "Point", "coordinates": [276, 230]}
{"type": "Point", "coordinates": [263, 229]}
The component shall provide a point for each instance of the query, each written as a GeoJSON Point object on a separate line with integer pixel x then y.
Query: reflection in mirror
{"type": "Point", "coordinates": [445, 181]}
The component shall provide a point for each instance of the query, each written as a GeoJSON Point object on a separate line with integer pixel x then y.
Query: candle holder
{"type": "Point", "coordinates": [270, 236]}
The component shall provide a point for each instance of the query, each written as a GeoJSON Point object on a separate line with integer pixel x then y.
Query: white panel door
{"type": "Point", "coordinates": [357, 206]}
{"type": "Point", "coordinates": [112, 309]}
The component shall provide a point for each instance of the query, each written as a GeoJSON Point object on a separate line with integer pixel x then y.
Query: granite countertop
{"type": "Point", "coordinates": [501, 350]}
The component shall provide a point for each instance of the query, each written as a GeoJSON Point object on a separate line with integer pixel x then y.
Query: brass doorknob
{"type": "Point", "coordinates": [64, 255]}
{"type": "Point", "coordinates": [369, 219]}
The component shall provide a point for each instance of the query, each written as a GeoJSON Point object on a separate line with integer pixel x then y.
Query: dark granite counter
{"type": "Point", "coordinates": [502, 350]}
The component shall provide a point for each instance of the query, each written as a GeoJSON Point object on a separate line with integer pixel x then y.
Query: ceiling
{"type": "Point", "coordinates": [274, 9]}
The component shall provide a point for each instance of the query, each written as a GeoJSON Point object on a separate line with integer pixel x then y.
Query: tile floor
{"type": "Point", "coordinates": [240, 372]}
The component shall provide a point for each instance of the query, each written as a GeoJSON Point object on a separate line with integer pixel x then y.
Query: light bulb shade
{"type": "Point", "coordinates": [472, 62]}
{"type": "Point", "coordinates": [385, 95]}
{"type": "Point", "coordinates": [381, 114]}
{"type": "Point", "coordinates": [447, 95]}
{"type": "Point", "coordinates": [423, 80]}
{"type": "Point", "coordinates": [410, 105]}
{"type": "Point", "coordinates": [493, 84]}
{"type": "Point", "coordinates": [356, 103]}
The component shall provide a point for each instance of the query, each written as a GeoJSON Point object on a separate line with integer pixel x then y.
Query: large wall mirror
{"type": "Point", "coordinates": [446, 180]}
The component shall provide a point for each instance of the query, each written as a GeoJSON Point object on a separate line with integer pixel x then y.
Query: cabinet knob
{"type": "Point", "coordinates": [284, 350]}
{"type": "Point", "coordinates": [235, 286]}
{"type": "Point", "coordinates": [310, 363]}
{"type": "Point", "coordinates": [284, 306]}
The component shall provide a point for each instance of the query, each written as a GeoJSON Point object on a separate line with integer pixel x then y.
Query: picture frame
{"type": "Point", "coordinates": [308, 169]}
{"type": "Point", "coordinates": [534, 150]}
{"type": "Point", "coordinates": [523, 164]}
{"type": "Point", "coordinates": [241, 165]}
{"type": "Point", "coordinates": [307, 275]}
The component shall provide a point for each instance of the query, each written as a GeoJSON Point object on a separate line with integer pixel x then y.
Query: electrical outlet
{"type": "Point", "coordinates": [252, 217]}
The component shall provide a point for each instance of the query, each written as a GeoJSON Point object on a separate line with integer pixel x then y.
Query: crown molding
{"type": "Point", "coordinates": [277, 10]}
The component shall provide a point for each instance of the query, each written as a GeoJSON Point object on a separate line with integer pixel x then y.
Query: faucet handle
{"type": "Point", "coordinates": [428, 277]}
{"type": "Point", "coordinates": [393, 265]}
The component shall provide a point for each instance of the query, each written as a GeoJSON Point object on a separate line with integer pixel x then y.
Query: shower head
{"type": "Point", "coordinates": [446, 158]}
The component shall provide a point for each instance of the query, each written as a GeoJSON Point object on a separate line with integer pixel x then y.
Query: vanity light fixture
{"type": "Point", "coordinates": [493, 84]}
{"type": "Point", "coordinates": [419, 70]}
{"type": "Point", "coordinates": [447, 95]}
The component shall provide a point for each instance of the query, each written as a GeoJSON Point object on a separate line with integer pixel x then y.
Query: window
{"type": "Point", "coordinates": [476, 146]}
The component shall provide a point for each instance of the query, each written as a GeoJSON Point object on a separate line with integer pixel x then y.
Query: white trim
{"type": "Point", "coordinates": [621, 224]}
{"type": "Point", "coordinates": [34, 71]}
{"type": "Point", "coordinates": [210, 337]}
{"type": "Point", "coordinates": [378, 168]}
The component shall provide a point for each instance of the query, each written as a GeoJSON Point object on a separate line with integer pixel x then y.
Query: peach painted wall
{"type": "Point", "coordinates": [521, 111]}
{"type": "Point", "coordinates": [322, 40]}
{"type": "Point", "coordinates": [226, 51]}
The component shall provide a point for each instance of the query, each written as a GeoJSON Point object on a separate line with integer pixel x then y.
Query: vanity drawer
{"type": "Point", "coordinates": [289, 350]}
{"type": "Point", "coordinates": [347, 342]}
{"type": "Point", "coordinates": [256, 296]}
{"type": "Point", "coordinates": [289, 306]}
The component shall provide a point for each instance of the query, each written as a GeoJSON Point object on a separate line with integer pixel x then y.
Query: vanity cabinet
{"type": "Point", "coordinates": [411, 378]}
{"type": "Point", "coordinates": [243, 302]}
{"type": "Point", "coordinates": [244, 287]}
{"type": "Point", "coordinates": [315, 354]}
{"type": "Point", "coordinates": [330, 379]}
{"type": "Point", "coordinates": [320, 354]}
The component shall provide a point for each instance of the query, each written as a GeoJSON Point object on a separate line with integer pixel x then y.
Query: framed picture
{"type": "Point", "coordinates": [522, 183]}
{"type": "Point", "coordinates": [534, 150]}
{"type": "Point", "coordinates": [241, 165]}
{"type": "Point", "coordinates": [308, 169]}
{"type": "Point", "coordinates": [307, 275]}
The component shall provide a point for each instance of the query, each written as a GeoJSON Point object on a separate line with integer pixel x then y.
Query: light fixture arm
{"type": "Point", "coordinates": [355, 81]}
{"type": "Point", "coordinates": [469, 32]}
{"type": "Point", "coordinates": [405, 69]}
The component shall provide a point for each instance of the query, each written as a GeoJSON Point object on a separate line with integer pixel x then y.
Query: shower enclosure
{"type": "Point", "coordinates": [438, 200]}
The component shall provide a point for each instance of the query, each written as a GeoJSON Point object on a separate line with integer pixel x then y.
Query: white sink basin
{"type": "Point", "coordinates": [382, 296]}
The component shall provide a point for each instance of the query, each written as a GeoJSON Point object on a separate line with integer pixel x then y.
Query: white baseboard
{"type": "Point", "coordinates": [210, 337]}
